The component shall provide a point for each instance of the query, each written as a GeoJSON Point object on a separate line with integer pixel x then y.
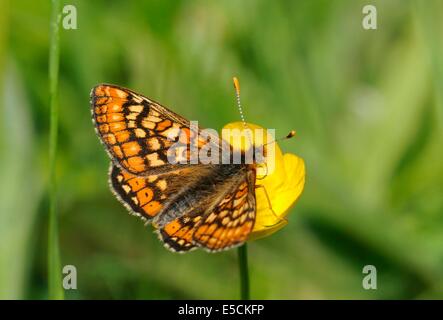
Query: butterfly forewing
{"type": "Point", "coordinates": [138, 132]}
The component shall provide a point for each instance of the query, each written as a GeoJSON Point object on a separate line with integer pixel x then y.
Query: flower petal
{"type": "Point", "coordinates": [282, 193]}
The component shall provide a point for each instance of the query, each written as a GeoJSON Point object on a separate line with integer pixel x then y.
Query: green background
{"type": "Point", "coordinates": [367, 106]}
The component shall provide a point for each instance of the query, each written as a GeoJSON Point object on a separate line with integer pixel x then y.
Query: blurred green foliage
{"type": "Point", "coordinates": [367, 106]}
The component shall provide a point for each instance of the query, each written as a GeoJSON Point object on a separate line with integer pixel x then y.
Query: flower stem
{"type": "Point", "coordinates": [244, 274]}
{"type": "Point", "coordinates": [54, 265]}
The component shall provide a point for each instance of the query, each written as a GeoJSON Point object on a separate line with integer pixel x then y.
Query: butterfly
{"type": "Point", "coordinates": [199, 205]}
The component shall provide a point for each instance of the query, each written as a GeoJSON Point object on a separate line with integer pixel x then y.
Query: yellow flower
{"type": "Point", "coordinates": [283, 185]}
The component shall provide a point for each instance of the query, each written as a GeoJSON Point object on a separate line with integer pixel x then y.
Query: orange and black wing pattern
{"type": "Point", "coordinates": [231, 221]}
{"type": "Point", "coordinates": [227, 225]}
{"type": "Point", "coordinates": [145, 196]}
{"type": "Point", "coordinates": [178, 234]}
{"type": "Point", "coordinates": [138, 132]}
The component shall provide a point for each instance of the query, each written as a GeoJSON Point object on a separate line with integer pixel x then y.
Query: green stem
{"type": "Point", "coordinates": [54, 264]}
{"type": "Point", "coordinates": [244, 274]}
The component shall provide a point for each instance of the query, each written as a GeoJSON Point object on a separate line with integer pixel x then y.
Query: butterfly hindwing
{"type": "Point", "coordinates": [232, 220]}
{"type": "Point", "coordinates": [144, 195]}
{"type": "Point", "coordinates": [177, 235]}
{"type": "Point", "coordinates": [228, 224]}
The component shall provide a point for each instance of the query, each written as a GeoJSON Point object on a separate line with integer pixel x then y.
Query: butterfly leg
{"type": "Point", "coordinates": [270, 204]}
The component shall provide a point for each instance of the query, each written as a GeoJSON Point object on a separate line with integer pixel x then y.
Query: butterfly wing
{"type": "Point", "coordinates": [138, 132]}
{"type": "Point", "coordinates": [232, 220]}
{"type": "Point", "coordinates": [145, 196]}
{"type": "Point", "coordinates": [177, 235]}
{"type": "Point", "coordinates": [224, 226]}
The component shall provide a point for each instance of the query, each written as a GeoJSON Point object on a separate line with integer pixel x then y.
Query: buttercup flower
{"type": "Point", "coordinates": [278, 188]}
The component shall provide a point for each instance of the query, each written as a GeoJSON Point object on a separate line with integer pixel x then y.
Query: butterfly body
{"type": "Point", "coordinates": [203, 193]}
{"type": "Point", "coordinates": [211, 206]}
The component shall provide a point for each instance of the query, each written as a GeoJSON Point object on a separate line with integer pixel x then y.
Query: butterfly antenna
{"type": "Point", "coordinates": [290, 135]}
{"type": "Point", "coordinates": [240, 109]}
{"type": "Point", "coordinates": [237, 93]}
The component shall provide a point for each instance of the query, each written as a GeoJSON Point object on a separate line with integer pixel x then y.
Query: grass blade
{"type": "Point", "coordinates": [54, 264]}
